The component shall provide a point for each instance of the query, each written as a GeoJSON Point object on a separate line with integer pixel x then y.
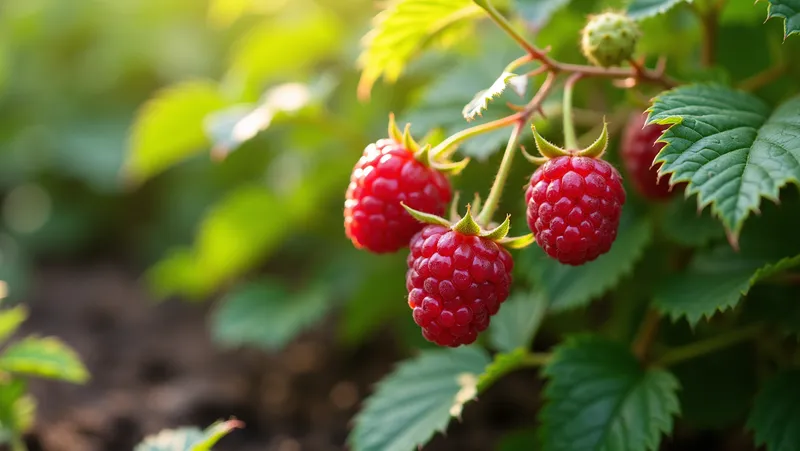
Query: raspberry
{"type": "Point", "coordinates": [574, 206]}
{"type": "Point", "coordinates": [455, 283]}
{"type": "Point", "coordinates": [385, 175]}
{"type": "Point", "coordinates": [609, 39]}
{"type": "Point", "coordinates": [639, 149]}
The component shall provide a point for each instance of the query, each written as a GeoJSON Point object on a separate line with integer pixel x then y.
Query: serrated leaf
{"type": "Point", "coordinates": [641, 9]}
{"type": "Point", "coordinates": [789, 10]}
{"type": "Point", "coordinates": [169, 128]}
{"type": "Point", "coordinates": [266, 315]}
{"type": "Point", "coordinates": [481, 100]}
{"type": "Point", "coordinates": [600, 398]}
{"type": "Point", "coordinates": [188, 438]}
{"type": "Point", "coordinates": [730, 148]}
{"type": "Point", "coordinates": [418, 399]}
{"type": "Point", "coordinates": [568, 287]}
{"type": "Point", "coordinates": [515, 324]}
{"type": "Point", "coordinates": [684, 225]}
{"type": "Point", "coordinates": [11, 319]}
{"type": "Point", "coordinates": [403, 29]}
{"type": "Point", "coordinates": [775, 418]}
{"type": "Point", "coordinates": [44, 357]}
{"type": "Point", "coordinates": [715, 281]}
{"type": "Point", "coordinates": [538, 12]}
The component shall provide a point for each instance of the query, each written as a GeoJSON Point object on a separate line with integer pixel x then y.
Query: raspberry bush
{"type": "Point", "coordinates": [601, 193]}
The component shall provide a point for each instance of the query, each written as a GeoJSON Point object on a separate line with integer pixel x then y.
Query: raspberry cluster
{"type": "Point", "coordinates": [455, 282]}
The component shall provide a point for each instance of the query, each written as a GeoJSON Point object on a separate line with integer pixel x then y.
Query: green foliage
{"type": "Point", "coordinates": [775, 417]}
{"type": "Point", "coordinates": [789, 10]}
{"type": "Point", "coordinates": [402, 30]}
{"type": "Point", "coordinates": [169, 128]}
{"type": "Point", "coordinates": [266, 314]}
{"type": "Point", "coordinates": [600, 398]}
{"type": "Point", "coordinates": [731, 148]}
{"type": "Point", "coordinates": [640, 9]}
{"type": "Point", "coordinates": [684, 225]}
{"type": "Point", "coordinates": [17, 410]}
{"type": "Point", "coordinates": [568, 287]}
{"type": "Point", "coordinates": [538, 12]}
{"type": "Point", "coordinates": [516, 323]}
{"type": "Point", "coordinates": [10, 320]}
{"type": "Point", "coordinates": [418, 399]}
{"type": "Point", "coordinates": [188, 438]}
{"type": "Point", "coordinates": [43, 357]}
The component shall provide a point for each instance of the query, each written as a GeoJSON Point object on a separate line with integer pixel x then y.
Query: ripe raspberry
{"type": "Point", "coordinates": [609, 39]}
{"type": "Point", "coordinates": [385, 175]}
{"type": "Point", "coordinates": [639, 149]}
{"type": "Point", "coordinates": [455, 283]}
{"type": "Point", "coordinates": [574, 206]}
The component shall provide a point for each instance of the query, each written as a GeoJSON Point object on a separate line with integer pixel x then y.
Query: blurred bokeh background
{"type": "Point", "coordinates": [171, 185]}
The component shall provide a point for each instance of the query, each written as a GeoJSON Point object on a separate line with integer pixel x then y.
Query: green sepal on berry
{"type": "Point", "coordinates": [441, 163]}
{"type": "Point", "coordinates": [466, 225]}
{"type": "Point", "coordinates": [548, 150]}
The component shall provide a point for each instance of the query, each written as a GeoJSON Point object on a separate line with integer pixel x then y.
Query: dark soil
{"type": "Point", "coordinates": [153, 366]}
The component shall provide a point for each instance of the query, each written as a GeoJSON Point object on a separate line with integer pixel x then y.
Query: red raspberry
{"type": "Point", "coordinates": [385, 175]}
{"type": "Point", "coordinates": [639, 149]}
{"type": "Point", "coordinates": [455, 283]}
{"type": "Point", "coordinates": [574, 205]}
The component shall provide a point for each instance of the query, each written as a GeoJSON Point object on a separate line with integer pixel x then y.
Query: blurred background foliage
{"type": "Point", "coordinates": [209, 143]}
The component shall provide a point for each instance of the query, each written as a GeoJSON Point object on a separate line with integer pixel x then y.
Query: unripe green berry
{"type": "Point", "coordinates": [609, 39]}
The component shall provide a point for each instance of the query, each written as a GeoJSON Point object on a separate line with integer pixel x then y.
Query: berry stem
{"type": "Point", "coordinates": [703, 347]}
{"type": "Point", "coordinates": [646, 334]}
{"type": "Point", "coordinates": [570, 139]}
{"type": "Point", "coordinates": [521, 118]}
{"type": "Point", "coordinates": [503, 23]}
{"type": "Point", "coordinates": [489, 207]}
{"type": "Point", "coordinates": [468, 133]}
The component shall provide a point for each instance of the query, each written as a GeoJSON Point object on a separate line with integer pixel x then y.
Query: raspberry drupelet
{"type": "Point", "coordinates": [386, 175]}
{"type": "Point", "coordinates": [456, 282]}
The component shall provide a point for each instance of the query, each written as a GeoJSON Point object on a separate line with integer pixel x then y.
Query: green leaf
{"type": "Point", "coordinates": [516, 323]}
{"type": "Point", "coordinates": [10, 320]}
{"type": "Point", "coordinates": [44, 357]}
{"type": "Point", "coordinates": [601, 399]}
{"type": "Point", "coordinates": [729, 147]}
{"type": "Point", "coordinates": [188, 438]}
{"type": "Point", "coordinates": [567, 287]}
{"type": "Point", "coordinates": [169, 128]}
{"type": "Point", "coordinates": [538, 12]}
{"type": "Point", "coordinates": [402, 30]}
{"type": "Point", "coordinates": [481, 100]}
{"type": "Point", "coordinates": [17, 410]}
{"type": "Point", "coordinates": [775, 418]}
{"type": "Point", "coordinates": [265, 314]}
{"type": "Point", "coordinates": [418, 399]}
{"type": "Point", "coordinates": [684, 225]}
{"type": "Point", "coordinates": [641, 9]}
{"type": "Point", "coordinates": [789, 10]}
{"type": "Point", "coordinates": [714, 281]}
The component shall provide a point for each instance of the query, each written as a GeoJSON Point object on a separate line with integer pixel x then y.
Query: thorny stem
{"type": "Point", "coordinates": [697, 349]}
{"type": "Point", "coordinates": [646, 335]}
{"type": "Point", "coordinates": [496, 192]}
{"type": "Point", "coordinates": [570, 139]}
{"type": "Point", "coordinates": [503, 23]}
{"type": "Point", "coordinates": [710, 22]}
